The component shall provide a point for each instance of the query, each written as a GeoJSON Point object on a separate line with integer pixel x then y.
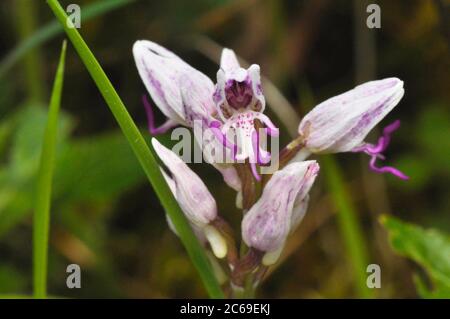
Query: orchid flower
{"type": "Point", "coordinates": [181, 92]}
{"type": "Point", "coordinates": [279, 210]}
{"type": "Point", "coordinates": [185, 95]}
{"type": "Point", "coordinates": [240, 101]}
{"type": "Point", "coordinates": [341, 123]}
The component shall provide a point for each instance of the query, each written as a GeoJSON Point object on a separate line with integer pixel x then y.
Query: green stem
{"type": "Point", "coordinates": [142, 152]}
{"type": "Point", "coordinates": [249, 288]}
{"type": "Point", "coordinates": [41, 219]}
{"type": "Point", "coordinates": [348, 223]}
{"type": "Point", "coordinates": [26, 24]}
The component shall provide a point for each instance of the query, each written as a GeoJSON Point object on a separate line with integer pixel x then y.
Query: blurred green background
{"type": "Point", "coordinates": [105, 216]}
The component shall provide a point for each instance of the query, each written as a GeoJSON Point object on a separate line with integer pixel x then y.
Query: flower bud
{"type": "Point", "coordinates": [341, 123]}
{"type": "Point", "coordinates": [194, 199]}
{"type": "Point", "coordinates": [191, 193]}
{"type": "Point", "coordinates": [268, 223]}
{"type": "Point", "coordinates": [181, 92]}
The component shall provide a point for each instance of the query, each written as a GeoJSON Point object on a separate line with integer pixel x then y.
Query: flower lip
{"type": "Point", "coordinates": [375, 151]}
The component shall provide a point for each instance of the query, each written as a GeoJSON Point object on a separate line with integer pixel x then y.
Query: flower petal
{"type": "Point", "coordinates": [298, 212]}
{"type": "Point", "coordinates": [191, 193]}
{"type": "Point", "coordinates": [166, 77]}
{"type": "Point", "coordinates": [229, 61]}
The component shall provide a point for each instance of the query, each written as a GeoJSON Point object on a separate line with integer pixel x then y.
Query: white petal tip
{"type": "Point", "coordinates": [156, 144]}
{"type": "Point", "coordinates": [272, 257]}
{"type": "Point", "coordinates": [217, 242]}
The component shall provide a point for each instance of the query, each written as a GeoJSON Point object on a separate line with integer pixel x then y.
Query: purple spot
{"type": "Point", "coordinates": [259, 89]}
{"type": "Point", "coordinates": [217, 96]}
{"type": "Point", "coordinates": [155, 83]}
{"type": "Point", "coordinates": [238, 94]}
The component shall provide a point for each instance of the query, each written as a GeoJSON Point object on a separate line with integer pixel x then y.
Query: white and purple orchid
{"type": "Point", "coordinates": [232, 110]}
{"type": "Point", "coordinates": [240, 101]}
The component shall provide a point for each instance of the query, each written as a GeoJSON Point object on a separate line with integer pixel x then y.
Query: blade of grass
{"type": "Point", "coordinates": [41, 218]}
{"type": "Point", "coordinates": [143, 153]}
{"type": "Point", "coordinates": [348, 223]}
{"type": "Point", "coordinates": [25, 24]}
{"type": "Point", "coordinates": [52, 29]}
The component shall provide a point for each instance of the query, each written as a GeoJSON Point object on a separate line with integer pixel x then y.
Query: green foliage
{"type": "Point", "coordinates": [430, 158]}
{"type": "Point", "coordinates": [82, 174]}
{"type": "Point", "coordinates": [11, 279]}
{"type": "Point", "coordinates": [52, 29]}
{"type": "Point", "coordinates": [351, 231]}
{"type": "Point", "coordinates": [96, 168]}
{"type": "Point", "coordinates": [429, 248]}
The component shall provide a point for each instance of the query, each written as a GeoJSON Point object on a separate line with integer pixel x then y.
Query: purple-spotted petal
{"type": "Point", "coordinates": [191, 193]}
{"type": "Point", "coordinates": [168, 78]}
{"type": "Point", "coordinates": [341, 123]}
{"type": "Point", "coordinates": [268, 223]}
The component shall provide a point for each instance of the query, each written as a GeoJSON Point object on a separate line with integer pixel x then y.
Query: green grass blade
{"type": "Point", "coordinates": [26, 15]}
{"type": "Point", "coordinates": [142, 152]}
{"type": "Point", "coordinates": [349, 225]}
{"type": "Point", "coordinates": [41, 220]}
{"type": "Point", "coordinates": [52, 29]}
